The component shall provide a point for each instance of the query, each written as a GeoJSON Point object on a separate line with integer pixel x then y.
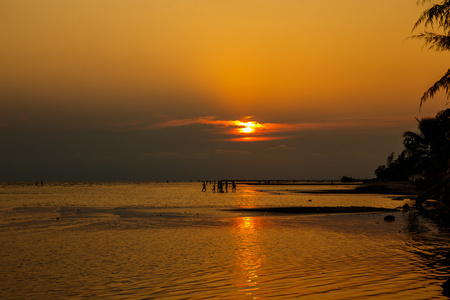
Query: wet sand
{"type": "Point", "coordinates": [362, 187]}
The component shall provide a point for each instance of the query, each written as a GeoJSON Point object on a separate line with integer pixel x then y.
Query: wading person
{"type": "Point", "coordinates": [204, 187]}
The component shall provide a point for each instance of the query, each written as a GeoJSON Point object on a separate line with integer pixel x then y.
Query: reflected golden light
{"type": "Point", "coordinates": [247, 222]}
{"type": "Point", "coordinates": [249, 257]}
{"type": "Point", "coordinates": [247, 198]}
{"type": "Point", "coordinates": [249, 254]}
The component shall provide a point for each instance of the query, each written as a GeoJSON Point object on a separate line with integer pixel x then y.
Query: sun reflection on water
{"type": "Point", "coordinates": [248, 253]}
{"type": "Point", "coordinates": [247, 198]}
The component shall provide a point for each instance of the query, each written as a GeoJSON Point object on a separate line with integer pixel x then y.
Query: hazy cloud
{"type": "Point", "coordinates": [247, 129]}
{"type": "Point", "coordinates": [282, 147]}
{"type": "Point", "coordinates": [227, 151]}
{"type": "Point", "coordinates": [162, 154]}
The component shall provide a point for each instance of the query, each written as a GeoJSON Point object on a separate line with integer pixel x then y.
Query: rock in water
{"type": "Point", "coordinates": [389, 218]}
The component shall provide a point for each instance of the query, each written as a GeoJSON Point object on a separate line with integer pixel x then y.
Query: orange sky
{"type": "Point", "coordinates": [241, 54]}
{"type": "Point", "coordinates": [144, 62]}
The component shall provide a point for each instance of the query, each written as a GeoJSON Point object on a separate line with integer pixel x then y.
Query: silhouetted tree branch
{"type": "Point", "coordinates": [437, 18]}
{"type": "Point", "coordinates": [441, 84]}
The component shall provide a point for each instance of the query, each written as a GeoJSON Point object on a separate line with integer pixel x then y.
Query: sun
{"type": "Point", "coordinates": [247, 127]}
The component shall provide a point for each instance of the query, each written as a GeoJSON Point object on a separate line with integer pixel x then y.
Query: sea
{"type": "Point", "coordinates": [171, 240]}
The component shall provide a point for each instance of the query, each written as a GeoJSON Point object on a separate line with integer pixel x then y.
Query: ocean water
{"type": "Point", "coordinates": [173, 241]}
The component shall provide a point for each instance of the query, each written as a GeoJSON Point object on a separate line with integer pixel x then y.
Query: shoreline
{"type": "Point", "coordinates": [313, 209]}
{"type": "Point", "coordinates": [406, 189]}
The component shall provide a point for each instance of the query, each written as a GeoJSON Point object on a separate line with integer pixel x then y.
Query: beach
{"type": "Point", "coordinates": [127, 240]}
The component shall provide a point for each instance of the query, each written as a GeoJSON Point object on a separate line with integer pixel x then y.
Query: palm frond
{"type": "Point", "coordinates": [423, 1]}
{"type": "Point", "coordinates": [441, 84]}
{"type": "Point", "coordinates": [413, 142]}
{"type": "Point", "coordinates": [411, 135]}
{"type": "Point", "coordinates": [434, 41]}
{"type": "Point", "coordinates": [438, 14]}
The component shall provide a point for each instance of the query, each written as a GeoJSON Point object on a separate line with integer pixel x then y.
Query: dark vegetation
{"type": "Point", "coordinates": [426, 154]}
{"type": "Point", "coordinates": [436, 18]}
{"type": "Point", "coordinates": [425, 159]}
{"type": "Point", "coordinates": [348, 179]}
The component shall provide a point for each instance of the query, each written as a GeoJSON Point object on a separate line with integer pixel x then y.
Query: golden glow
{"type": "Point", "coordinates": [245, 130]}
{"type": "Point", "coordinates": [247, 198]}
{"type": "Point", "coordinates": [235, 128]}
{"type": "Point", "coordinates": [248, 127]}
{"type": "Point", "coordinates": [231, 56]}
{"type": "Point", "coordinates": [256, 138]}
{"type": "Point", "coordinates": [247, 222]}
{"type": "Point", "coordinates": [249, 256]}
{"type": "Point", "coordinates": [263, 51]}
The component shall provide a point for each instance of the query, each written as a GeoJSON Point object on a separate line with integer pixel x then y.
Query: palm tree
{"type": "Point", "coordinates": [432, 143]}
{"type": "Point", "coordinates": [438, 16]}
{"type": "Point", "coordinates": [429, 150]}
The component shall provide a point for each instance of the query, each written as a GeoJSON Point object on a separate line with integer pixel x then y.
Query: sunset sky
{"type": "Point", "coordinates": [208, 89]}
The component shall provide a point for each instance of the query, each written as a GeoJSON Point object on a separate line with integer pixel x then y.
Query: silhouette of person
{"type": "Point", "coordinates": [214, 187]}
{"type": "Point", "coordinates": [233, 186]}
{"type": "Point", "coordinates": [204, 187]}
{"type": "Point", "coordinates": [226, 186]}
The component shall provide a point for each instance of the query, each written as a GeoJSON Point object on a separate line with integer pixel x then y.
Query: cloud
{"type": "Point", "coordinates": [185, 122]}
{"type": "Point", "coordinates": [282, 147]}
{"type": "Point", "coordinates": [247, 129]}
{"type": "Point", "coordinates": [226, 151]}
{"type": "Point", "coordinates": [255, 138]}
{"type": "Point", "coordinates": [243, 130]}
{"type": "Point", "coordinates": [162, 154]}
